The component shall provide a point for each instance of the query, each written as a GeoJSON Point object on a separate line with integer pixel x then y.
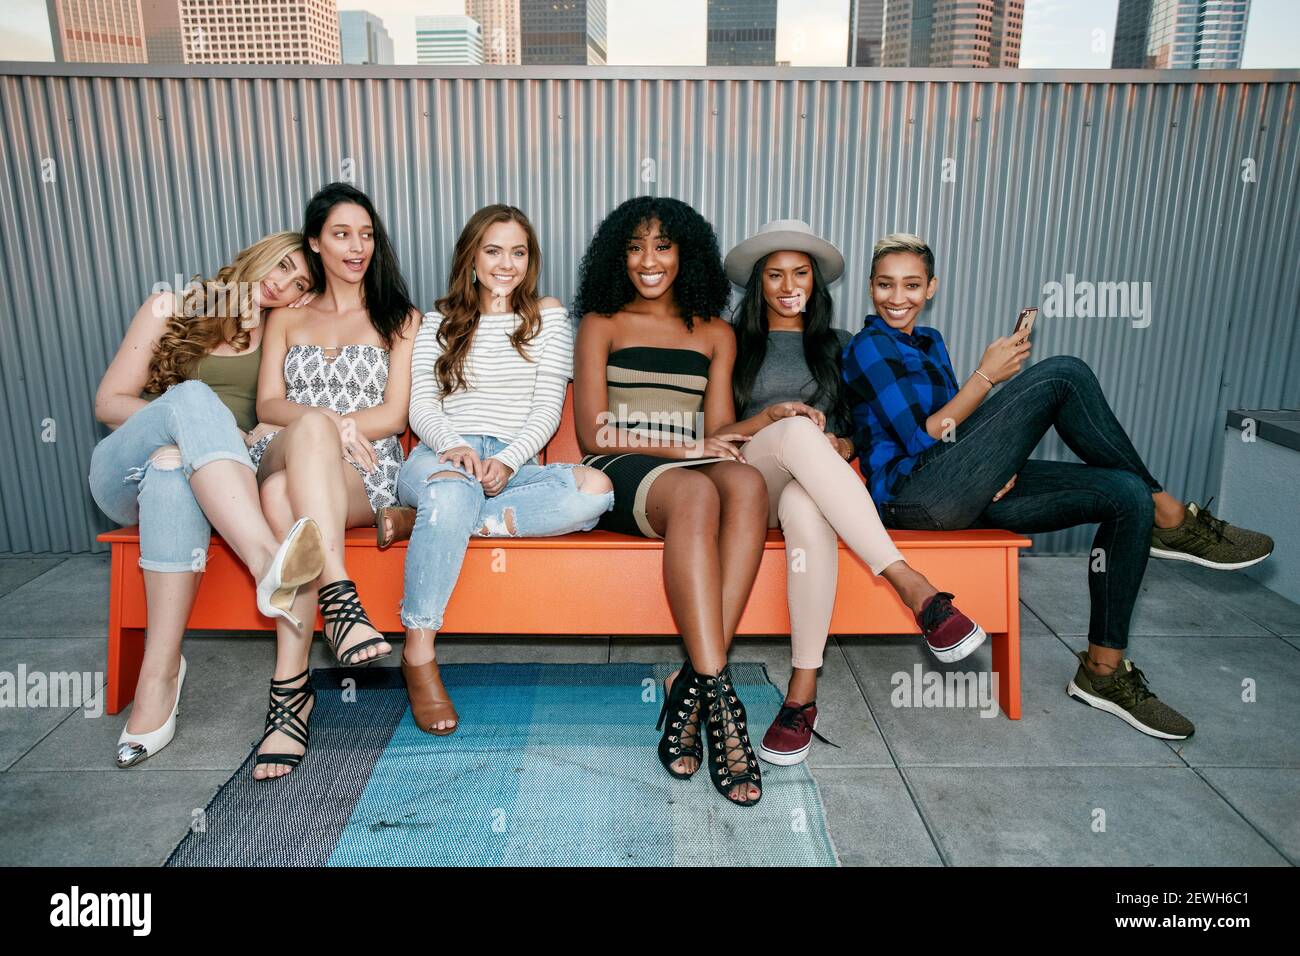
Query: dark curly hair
{"type": "Point", "coordinates": [700, 290]}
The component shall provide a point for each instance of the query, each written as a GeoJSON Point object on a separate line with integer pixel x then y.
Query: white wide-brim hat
{"type": "Point", "coordinates": [781, 235]}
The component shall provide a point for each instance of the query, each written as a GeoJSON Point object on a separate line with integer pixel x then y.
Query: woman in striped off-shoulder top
{"type": "Point", "coordinates": [488, 377]}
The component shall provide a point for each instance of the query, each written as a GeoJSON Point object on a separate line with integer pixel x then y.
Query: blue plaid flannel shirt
{"type": "Point", "coordinates": [894, 382]}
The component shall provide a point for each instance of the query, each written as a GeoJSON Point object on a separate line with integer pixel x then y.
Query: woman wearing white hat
{"type": "Point", "coordinates": [787, 390]}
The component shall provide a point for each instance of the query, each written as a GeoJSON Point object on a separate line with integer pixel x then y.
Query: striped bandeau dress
{"type": "Point", "coordinates": [656, 395]}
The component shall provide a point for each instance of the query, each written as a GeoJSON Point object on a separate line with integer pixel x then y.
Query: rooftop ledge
{"type": "Point", "coordinates": [580, 72]}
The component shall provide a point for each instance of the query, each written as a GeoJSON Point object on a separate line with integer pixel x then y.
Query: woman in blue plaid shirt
{"type": "Point", "coordinates": [937, 456]}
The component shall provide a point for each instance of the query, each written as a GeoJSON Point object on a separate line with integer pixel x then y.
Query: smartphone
{"type": "Point", "coordinates": [1025, 321]}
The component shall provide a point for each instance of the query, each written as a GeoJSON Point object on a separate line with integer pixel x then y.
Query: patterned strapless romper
{"type": "Point", "coordinates": [353, 380]}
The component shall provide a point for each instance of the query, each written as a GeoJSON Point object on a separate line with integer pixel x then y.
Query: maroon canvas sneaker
{"type": "Point", "coordinates": [950, 634]}
{"type": "Point", "coordinates": [788, 739]}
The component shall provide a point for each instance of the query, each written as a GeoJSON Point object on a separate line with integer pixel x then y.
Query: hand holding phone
{"type": "Point", "coordinates": [1025, 322]}
{"type": "Point", "coordinates": [1004, 356]}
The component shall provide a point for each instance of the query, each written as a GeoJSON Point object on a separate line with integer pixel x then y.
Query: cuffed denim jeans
{"type": "Point", "coordinates": [131, 489]}
{"type": "Point", "coordinates": [953, 483]}
{"type": "Point", "coordinates": [538, 501]}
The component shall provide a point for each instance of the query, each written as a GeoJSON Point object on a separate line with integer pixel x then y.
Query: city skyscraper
{"type": "Point", "coordinates": [454, 38]}
{"type": "Point", "coordinates": [562, 31]}
{"type": "Point", "coordinates": [261, 31]}
{"type": "Point", "coordinates": [969, 33]}
{"type": "Point", "coordinates": [741, 32]}
{"type": "Point", "coordinates": [866, 23]}
{"type": "Point", "coordinates": [97, 31]}
{"type": "Point", "coordinates": [501, 31]}
{"type": "Point", "coordinates": [1180, 34]}
{"type": "Point", "coordinates": [363, 39]}
{"type": "Point", "coordinates": [1132, 22]}
{"type": "Point", "coordinates": [162, 31]}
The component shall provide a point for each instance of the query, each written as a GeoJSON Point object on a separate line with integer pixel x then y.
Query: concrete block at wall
{"type": "Point", "coordinates": [1260, 489]}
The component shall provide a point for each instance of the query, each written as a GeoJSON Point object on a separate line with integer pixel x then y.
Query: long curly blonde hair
{"type": "Point", "coordinates": [216, 311]}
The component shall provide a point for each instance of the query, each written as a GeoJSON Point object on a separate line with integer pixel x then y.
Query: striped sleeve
{"type": "Point", "coordinates": [554, 369]}
{"type": "Point", "coordinates": [428, 419]}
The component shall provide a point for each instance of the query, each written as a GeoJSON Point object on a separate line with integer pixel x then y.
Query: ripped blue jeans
{"type": "Point", "coordinates": [156, 495]}
{"type": "Point", "coordinates": [538, 501]}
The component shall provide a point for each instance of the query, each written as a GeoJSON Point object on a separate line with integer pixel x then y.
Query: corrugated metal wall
{"type": "Point", "coordinates": [110, 182]}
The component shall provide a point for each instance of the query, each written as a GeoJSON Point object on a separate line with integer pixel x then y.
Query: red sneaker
{"type": "Point", "coordinates": [950, 634]}
{"type": "Point", "coordinates": [788, 739]}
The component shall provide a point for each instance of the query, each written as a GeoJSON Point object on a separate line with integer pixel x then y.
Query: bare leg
{"type": "Point", "coordinates": [686, 509]}
{"type": "Point", "coordinates": [169, 596]}
{"type": "Point", "coordinates": [227, 493]}
{"type": "Point", "coordinates": [802, 688]}
{"type": "Point", "coordinates": [742, 495]}
{"type": "Point", "coordinates": [1103, 661]}
{"type": "Point", "coordinates": [320, 484]}
{"type": "Point", "coordinates": [742, 529]}
{"type": "Point", "coordinates": [683, 508]}
{"type": "Point", "coordinates": [912, 586]}
{"type": "Point", "coordinates": [292, 646]}
{"type": "Point", "coordinates": [1170, 512]}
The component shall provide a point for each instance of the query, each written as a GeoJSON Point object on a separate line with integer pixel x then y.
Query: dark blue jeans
{"type": "Point", "coordinates": [953, 483]}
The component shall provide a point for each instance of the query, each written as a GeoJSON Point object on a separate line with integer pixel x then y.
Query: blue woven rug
{"type": "Point", "coordinates": [554, 765]}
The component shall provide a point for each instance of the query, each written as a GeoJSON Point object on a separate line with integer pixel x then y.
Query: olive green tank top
{"type": "Point", "coordinates": [234, 380]}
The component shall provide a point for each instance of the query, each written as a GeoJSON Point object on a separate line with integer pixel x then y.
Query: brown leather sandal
{"type": "Point", "coordinates": [429, 700]}
{"type": "Point", "coordinates": [402, 520]}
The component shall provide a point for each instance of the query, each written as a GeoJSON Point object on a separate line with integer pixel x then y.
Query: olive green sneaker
{"type": "Point", "coordinates": [1126, 695]}
{"type": "Point", "coordinates": [1210, 542]}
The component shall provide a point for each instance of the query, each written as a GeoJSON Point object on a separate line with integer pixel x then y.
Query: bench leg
{"type": "Point", "coordinates": [125, 654]}
{"type": "Point", "coordinates": [1006, 646]}
{"type": "Point", "coordinates": [125, 644]}
{"type": "Point", "coordinates": [1006, 664]}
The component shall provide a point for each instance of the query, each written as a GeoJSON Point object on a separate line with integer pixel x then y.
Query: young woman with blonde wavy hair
{"type": "Point", "coordinates": [179, 397]}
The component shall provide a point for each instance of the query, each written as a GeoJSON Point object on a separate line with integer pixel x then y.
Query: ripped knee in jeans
{"type": "Point", "coordinates": [591, 481]}
{"type": "Point", "coordinates": [503, 527]}
{"type": "Point", "coordinates": [429, 486]}
{"type": "Point", "coordinates": [166, 458]}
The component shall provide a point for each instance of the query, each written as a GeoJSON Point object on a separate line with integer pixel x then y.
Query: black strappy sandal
{"type": "Point", "coordinates": [683, 700]}
{"type": "Point", "coordinates": [284, 714]}
{"type": "Point", "coordinates": [726, 722]}
{"type": "Point", "coordinates": [340, 609]}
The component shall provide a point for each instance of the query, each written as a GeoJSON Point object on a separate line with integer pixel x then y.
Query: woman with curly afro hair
{"type": "Point", "coordinates": [652, 384]}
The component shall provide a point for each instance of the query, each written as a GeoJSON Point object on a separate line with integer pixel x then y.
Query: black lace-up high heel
{"type": "Point", "coordinates": [680, 721]}
{"type": "Point", "coordinates": [731, 758]}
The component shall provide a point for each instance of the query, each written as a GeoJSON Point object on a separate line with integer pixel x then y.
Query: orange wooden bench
{"type": "Point", "coordinates": [595, 583]}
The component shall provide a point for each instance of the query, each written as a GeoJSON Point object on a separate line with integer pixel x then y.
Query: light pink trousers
{"type": "Point", "coordinates": [814, 495]}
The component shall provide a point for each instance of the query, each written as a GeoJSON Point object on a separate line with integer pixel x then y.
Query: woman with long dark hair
{"type": "Point", "coordinates": [652, 383]}
{"type": "Point", "coordinates": [337, 377]}
{"type": "Point", "coordinates": [490, 369]}
{"type": "Point", "coordinates": [179, 396]}
{"type": "Point", "coordinates": [788, 390]}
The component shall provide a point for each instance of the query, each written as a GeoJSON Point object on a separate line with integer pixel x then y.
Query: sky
{"type": "Point", "coordinates": [1061, 34]}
